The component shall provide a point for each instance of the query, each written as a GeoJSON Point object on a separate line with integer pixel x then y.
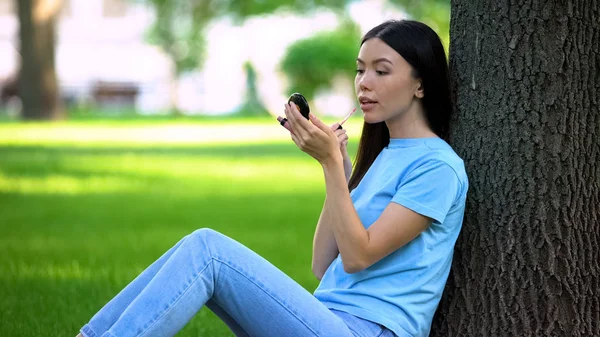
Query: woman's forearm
{"type": "Point", "coordinates": [325, 248]}
{"type": "Point", "coordinates": [349, 233]}
{"type": "Point", "coordinates": [347, 167]}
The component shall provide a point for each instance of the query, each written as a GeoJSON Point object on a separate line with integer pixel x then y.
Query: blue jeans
{"type": "Point", "coordinates": [249, 294]}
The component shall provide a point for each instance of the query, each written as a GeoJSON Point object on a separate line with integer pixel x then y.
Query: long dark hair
{"type": "Point", "coordinates": [421, 47]}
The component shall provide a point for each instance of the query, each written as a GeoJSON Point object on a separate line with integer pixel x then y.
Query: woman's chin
{"type": "Point", "coordinates": [370, 119]}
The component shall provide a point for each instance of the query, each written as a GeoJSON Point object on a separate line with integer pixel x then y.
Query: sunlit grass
{"type": "Point", "coordinates": [86, 206]}
{"type": "Point", "coordinates": [233, 132]}
{"type": "Point", "coordinates": [70, 271]}
{"type": "Point", "coordinates": [64, 184]}
{"type": "Point", "coordinates": [100, 174]}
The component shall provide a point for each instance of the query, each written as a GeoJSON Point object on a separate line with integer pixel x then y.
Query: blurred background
{"type": "Point", "coordinates": [206, 57]}
{"type": "Point", "coordinates": [126, 125]}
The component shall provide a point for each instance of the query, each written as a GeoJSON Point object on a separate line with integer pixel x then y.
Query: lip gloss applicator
{"type": "Point", "coordinates": [345, 119]}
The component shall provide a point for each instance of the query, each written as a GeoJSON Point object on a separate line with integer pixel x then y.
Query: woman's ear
{"type": "Point", "coordinates": [420, 92]}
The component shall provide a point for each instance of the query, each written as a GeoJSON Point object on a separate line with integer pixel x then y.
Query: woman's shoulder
{"type": "Point", "coordinates": [438, 150]}
{"type": "Point", "coordinates": [404, 156]}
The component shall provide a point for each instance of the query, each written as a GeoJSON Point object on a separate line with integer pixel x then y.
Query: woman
{"type": "Point", "coordinates": [383, 243]}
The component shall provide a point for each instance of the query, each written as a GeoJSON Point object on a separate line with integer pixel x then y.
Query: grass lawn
{"type": "Point", "coordinates": [86, 205]}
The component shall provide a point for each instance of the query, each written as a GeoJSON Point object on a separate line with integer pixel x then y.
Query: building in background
{"type": "Point", "coordinates": [100, 50]}
{"type": "Point", "coordinates": [102, 57]}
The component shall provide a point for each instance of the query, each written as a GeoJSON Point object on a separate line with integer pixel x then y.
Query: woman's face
{"type": "Point", "coordinates": [385, 87]}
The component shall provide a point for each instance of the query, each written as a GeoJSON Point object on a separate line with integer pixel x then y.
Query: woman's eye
{"type": "Point", "coordinates": [359, 71]}
{"type": "Point", "coordinates": [379, 72]}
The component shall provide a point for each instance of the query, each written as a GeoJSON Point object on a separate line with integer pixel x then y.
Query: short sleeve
{"type": "Point", "coordinates": [430, 190]}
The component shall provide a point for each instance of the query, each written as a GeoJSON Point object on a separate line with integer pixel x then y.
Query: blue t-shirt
{"type": "Point", "coordinates": [403, 290]}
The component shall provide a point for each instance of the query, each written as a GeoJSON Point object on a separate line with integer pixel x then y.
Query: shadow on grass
{"type": "Point", "coordinates": [276, 150]}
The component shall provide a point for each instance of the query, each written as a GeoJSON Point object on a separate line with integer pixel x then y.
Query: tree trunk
{"type": "Point", "coordinates": [526, 77]}
{"type": "Point", "coordinates": [38, 85]}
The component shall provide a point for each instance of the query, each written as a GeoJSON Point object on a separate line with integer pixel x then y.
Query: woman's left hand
{"type": "Point", "coordinates": [313, 137]}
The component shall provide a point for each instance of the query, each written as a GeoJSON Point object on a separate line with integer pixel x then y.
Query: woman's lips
{"type": "Point", "coordinates": [366, 106]}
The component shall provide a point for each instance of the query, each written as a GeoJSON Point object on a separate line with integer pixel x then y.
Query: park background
{"type": "Point", "coordinates": [164, 123]}
{"type": "Point", "coordinates": [125, 125]}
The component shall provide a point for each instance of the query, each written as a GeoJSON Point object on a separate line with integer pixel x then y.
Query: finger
{"type": "Point", "coordinates": [290, 119]}
{"type": "Point", "coordinates": [298, 119]}
{"type": "Point", "coordinates": [296, 125]}
{"type": "Point", "coordinates": [290, 122]}
{"type": "Point", "coordinates": [318, 123]}
{"type": "Point", "coordinates": [342, 142]}
{"type": "Point", "coordinates": [342, 138]}
{"type": "Point", "coordinates": [335, 126]}
{"type": "Point", "coordinates": [286, 124]}
{"type": "Point", "coordinates": [339, 132]}
{"type": "Point", "coordinates": [294, 138]}
{"type": "Point", "coordinates": [299, 143]}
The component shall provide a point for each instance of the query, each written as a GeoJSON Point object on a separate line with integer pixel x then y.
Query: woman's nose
{"type": "Point", "coordinates": [364, 83]}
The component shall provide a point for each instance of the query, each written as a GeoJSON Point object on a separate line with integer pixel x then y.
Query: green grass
{"type": "Point", "coordinates": [86, 205]}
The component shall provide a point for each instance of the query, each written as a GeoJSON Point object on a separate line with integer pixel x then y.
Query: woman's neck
{"type": "Point", "coordinates": [411, 124]}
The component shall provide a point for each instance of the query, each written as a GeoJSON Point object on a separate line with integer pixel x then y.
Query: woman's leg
{"type": "Point", "coordinates": [237, 329]}
{"type": "Point", "coordinates": [261, 299]}
{"type": "Point", "coordinates": [111, 312]}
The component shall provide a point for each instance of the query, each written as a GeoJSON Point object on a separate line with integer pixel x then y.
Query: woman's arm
{"type": "Point", "coordinates": [358, 247]}
{"type": "Point", "coordinates": [325, 249]}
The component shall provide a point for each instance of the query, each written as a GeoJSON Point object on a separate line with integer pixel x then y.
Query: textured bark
{"type": "Point", "coordinates": [526, 77]}
{"type": "Point", "coordinates": [38, 85]}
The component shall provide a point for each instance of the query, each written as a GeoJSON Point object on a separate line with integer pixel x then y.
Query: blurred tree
{"type": "Point", "coordinates": [38, 87]}
{"type": "Point", "coordinates": [180, 24]}
{"type": "Point", "coordinates": [526, 79]}
{"type": "Point", "coordinates": [252, 105]}
{"type": "Point", "coordinates": [312, 63]}
{"type": "Point", "coordinates": [435, 13]}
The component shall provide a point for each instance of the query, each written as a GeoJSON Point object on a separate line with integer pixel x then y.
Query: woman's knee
{"type": "Point", "coordinates": [202, 241]}
{"type": "Point", "coordinates": [206, 236]}
{"type": "Point", "coordinates": [212, 242]}
{"type": "Point", "coordinates": [205, 232]}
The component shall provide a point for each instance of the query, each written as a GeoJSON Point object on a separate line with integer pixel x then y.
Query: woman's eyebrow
{"type": "Point", "coordinates": [378, 60]}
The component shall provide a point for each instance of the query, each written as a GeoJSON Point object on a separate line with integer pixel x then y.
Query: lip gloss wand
{"type": "Point", "coordinates": [345, 119]}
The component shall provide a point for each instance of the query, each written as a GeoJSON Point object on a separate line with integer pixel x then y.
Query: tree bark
{"type": "Point", "coordinates": [38, 84]}
{"type": "Point", "coordinates": [526, 85]}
